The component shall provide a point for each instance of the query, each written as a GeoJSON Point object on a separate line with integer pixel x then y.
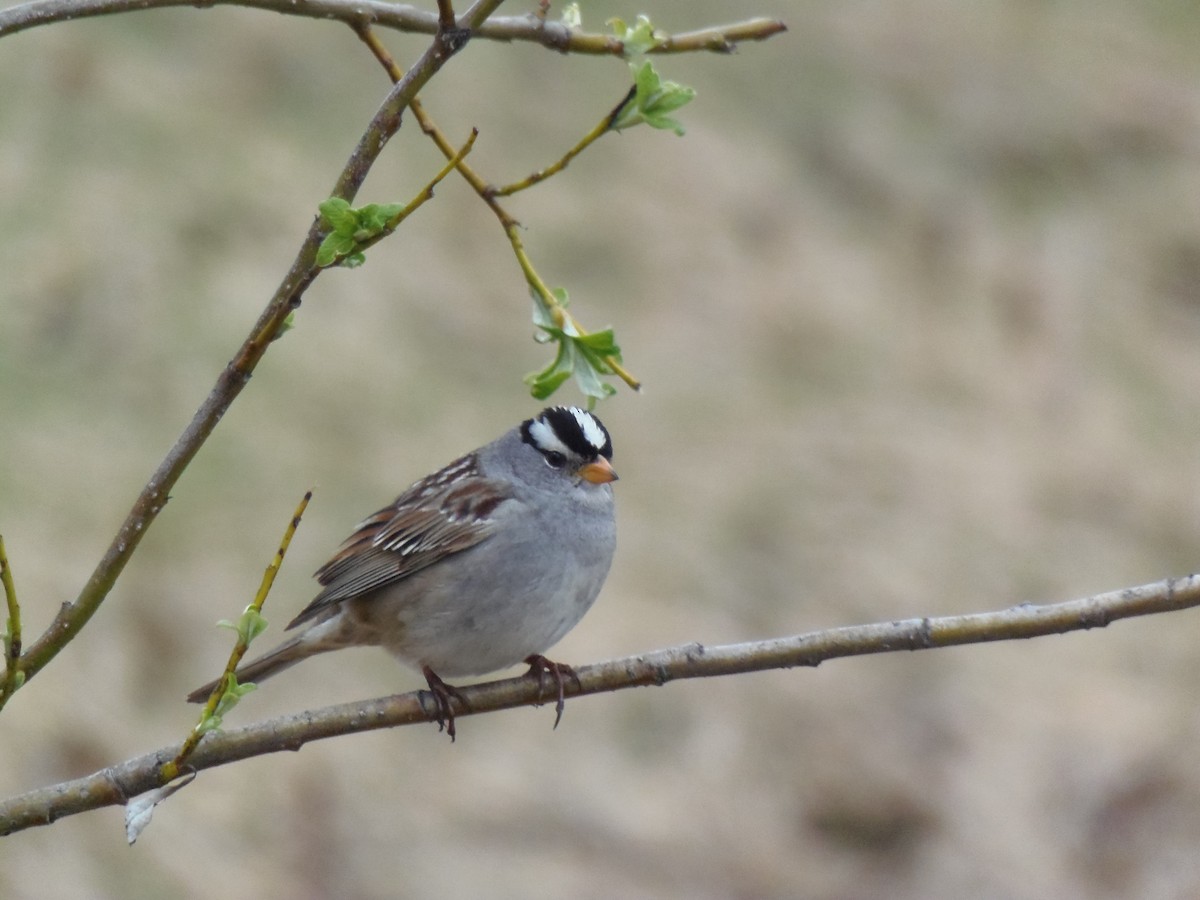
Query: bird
{"type": "Point", "coordinates": [479, 566]}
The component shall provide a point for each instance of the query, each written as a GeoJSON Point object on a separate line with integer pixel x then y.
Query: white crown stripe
{"type": "Point", "coordinates": [590, 427]}
{"type": "Point", "coordinates": [545, 438]}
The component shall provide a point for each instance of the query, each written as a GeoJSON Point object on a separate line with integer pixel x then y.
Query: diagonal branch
{"type": "Point", "coordinates": [71, 617]}
{"type": "Point", "coordinates": [117, 784]}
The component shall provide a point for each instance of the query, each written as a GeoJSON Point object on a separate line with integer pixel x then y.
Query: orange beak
{"type": "Point", "coordinates": [598, 472]}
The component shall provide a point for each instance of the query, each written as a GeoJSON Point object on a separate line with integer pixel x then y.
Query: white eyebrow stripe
{"type": "Point", "coordinates": [545, 438]}
{"type": "Point", "coordinates": [590, 427]}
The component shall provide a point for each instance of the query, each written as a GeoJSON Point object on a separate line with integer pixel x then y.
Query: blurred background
{"type": "Point", "coordinates": [916, 302]}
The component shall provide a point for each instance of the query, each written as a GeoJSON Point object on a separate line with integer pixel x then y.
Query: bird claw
{"type": "Point", "coordinates": [541, 667]}
{"type": "Point", "coordinates": [443, 694]}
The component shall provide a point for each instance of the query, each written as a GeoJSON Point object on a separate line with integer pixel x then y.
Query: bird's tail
{"type": "Point", "coordinates": [285, 655]}
{"type": "Point", "coordinates": [331, 632]}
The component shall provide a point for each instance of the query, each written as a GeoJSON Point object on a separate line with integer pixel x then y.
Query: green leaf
{"type": "Point", "coordinates": [253, 623]}
{"type": "Point", "coordinates": [376, 217]}
{"type": "Point", "coordinates": [544, 384]}
{"type": "Point", "coordinates": [572, 17]}
{"type": "Point", "coordinates": [350, 229]}
{"type": "Point", "coordinates": [208, 723]}
{"type": "Point", "coordinates": [636, 40]}
{"type": "Point", "coordinates": [670, 97]}
{"type": "Point", "coordinates": [588, 379]}
{"type": "Point", "coordinates": [337, 214]}
{"type": "Point", "coordinates": [646, 78]}
{"type": "Point", "coordinates": [653, 98]}
{"type": "Point", "coordinates": [332, 247]}
{"type": "Point", "coordinates": [233, 693]}
{"type": "Point", "coordinates": [248, 626]}
{"type": "Point", "coordinates": [578, 356]}
{"type": "Point", "coordinates": [602, 342]}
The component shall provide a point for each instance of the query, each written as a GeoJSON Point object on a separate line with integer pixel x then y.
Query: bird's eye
{"type": "Point", "coordinates": [554, 459]}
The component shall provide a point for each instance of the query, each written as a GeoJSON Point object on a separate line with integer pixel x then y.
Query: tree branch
{"type": "Point", "coordinates": [117, 784]}
{"type": "Point", "coordinates": [72, 617]}
{"type": "Point", "coordinates": [531, 29]}
{"type": "Point", "coordinates": [12, 678]}
{"type": "Point", "coordinates": [450, 36]}
{"type": "Point", "coordinates": [488, 195]}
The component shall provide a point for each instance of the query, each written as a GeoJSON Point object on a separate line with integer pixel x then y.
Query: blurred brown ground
{"type": "Point", "coordinates": [917, 305]}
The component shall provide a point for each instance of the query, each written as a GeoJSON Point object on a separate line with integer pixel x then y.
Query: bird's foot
{"type": "Point", "coordinates": [443, 697]}
{"type": "Point", "coordinates": [540, 667]}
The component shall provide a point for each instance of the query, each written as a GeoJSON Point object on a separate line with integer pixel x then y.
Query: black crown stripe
{"type": "Point", "coordinates": [566, 428]}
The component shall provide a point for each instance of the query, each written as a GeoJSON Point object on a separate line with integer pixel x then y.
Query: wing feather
{"type": "Point", "coordinates": [444, 514]}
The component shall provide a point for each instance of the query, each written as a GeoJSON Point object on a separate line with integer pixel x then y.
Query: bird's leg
{"type": "Point", "coordinates": [443, 694]}
{"type": "Point", "coordinates": [541, 667]}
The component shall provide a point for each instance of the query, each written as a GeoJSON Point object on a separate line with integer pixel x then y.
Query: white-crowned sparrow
{"type": "Point", "coordinates": [477, 567]}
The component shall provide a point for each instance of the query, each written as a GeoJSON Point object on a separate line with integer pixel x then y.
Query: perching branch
{"type": "Point", "coordinates": [550, 34]}
{"type": "Point", "coordinates": [118, 784]}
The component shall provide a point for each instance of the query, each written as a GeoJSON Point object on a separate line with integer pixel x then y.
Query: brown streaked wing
{"type": "Point", "coordinates": [433, 519]}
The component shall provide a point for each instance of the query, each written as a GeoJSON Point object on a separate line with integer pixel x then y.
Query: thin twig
{"type": "Point", "coordinates": [13, 677]}
{"type": "Point", "coordinates": [550, 34]}
{"type": "Point", "coordinates": [171, 770]}
{"type": "Point", "coordinates": [512, 228]}
{"type": "Point", "coordinates": [602, 128]}
{"type": "Point", "coordinates": [446, 16]}
{"type": "Point", "coordinates": [116, 784]}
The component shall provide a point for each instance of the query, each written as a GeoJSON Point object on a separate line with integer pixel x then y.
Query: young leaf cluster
{"type": "Point", "coordinates": [230, 696]}
{"type": "Point", "coordinates": [250, 624]}
{"type": "Point", "coordinates": [653, 101]}
{"type": "Point", "coordinates": [352, 230]}
{"type": "Point", "coordinates": [584, 356]}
